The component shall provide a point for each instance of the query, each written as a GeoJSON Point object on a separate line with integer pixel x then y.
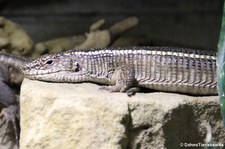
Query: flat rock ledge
{"type": "Point", "coordinates": [80, 116]}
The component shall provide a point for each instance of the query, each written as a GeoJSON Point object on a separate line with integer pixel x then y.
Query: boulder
{"type": "Point", "coordinates": [62, 115]}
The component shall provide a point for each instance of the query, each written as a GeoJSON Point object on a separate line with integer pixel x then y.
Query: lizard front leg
{"type": "Point", "coordinates": [123, 77]}
{"type": "Point", "coordinates": [10, 114]}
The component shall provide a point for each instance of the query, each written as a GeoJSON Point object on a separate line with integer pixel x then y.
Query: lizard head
{"type": "Point", "coordinates": [53, 67]}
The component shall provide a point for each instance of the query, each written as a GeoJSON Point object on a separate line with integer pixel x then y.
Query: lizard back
{"type": "Point", "coordinates": [160, 68]}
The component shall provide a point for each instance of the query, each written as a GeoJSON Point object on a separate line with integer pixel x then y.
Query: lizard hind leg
{"type": "Point", "coordinates": [123, 78]}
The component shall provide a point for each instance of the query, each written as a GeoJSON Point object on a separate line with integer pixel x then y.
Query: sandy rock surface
{"type": "Point", "coordinates": [61, 115]}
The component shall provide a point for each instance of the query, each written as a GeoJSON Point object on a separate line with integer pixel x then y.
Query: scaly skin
{"type": "Point", "coordinates": [10, 76]}
{"type": "Point", "coordinates": [159, 68]}
{"type": "Point", "coordinates": [13, 63]}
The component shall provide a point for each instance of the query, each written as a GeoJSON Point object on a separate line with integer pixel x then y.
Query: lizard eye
{"type": "Point", "coordinates": [49, 62]}
{"type": "Point", "coordinates": [77, 68]}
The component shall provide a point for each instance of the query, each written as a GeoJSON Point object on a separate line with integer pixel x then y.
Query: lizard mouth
{"type": "Point", "coordinates": [52, 75]}
{"type": "Point", "coordinates": [39, 73]}
{"type": "Point", "coordinates": [59, 76]}
{"type": "Point", "coordinates": [29, 71]}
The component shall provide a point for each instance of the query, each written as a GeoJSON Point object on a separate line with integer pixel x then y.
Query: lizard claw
{"type": "Point", "coordinates": [104, 88]}
{"type": "Point", "coordinates": [132, 91]}
{"type": "Point", "coordinates": [110, 88]}
{"type": "Point", "coordinates": [10, 114]}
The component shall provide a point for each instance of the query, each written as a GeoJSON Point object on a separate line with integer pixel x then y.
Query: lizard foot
{"type": "Point", "coordinates": [115, 88]}
{"type": "Point", "coordinates": [110, 88]}
{"type": "Point", "coordinates": [10, 114]}
{"type": "Point", "coordinates": [130, 92]}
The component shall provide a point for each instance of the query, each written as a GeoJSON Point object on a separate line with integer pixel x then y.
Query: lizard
{"type": "Point", "coordinates": [123, 69]}
{"type": "Point", "coordinates": [10, 77]}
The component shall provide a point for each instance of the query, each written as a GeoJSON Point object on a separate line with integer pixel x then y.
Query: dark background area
{"type": "Point", "coordinates": [188, 23]}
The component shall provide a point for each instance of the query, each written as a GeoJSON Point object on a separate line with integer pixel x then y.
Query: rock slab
{"type": "Point", "coordinates": [79, 116]}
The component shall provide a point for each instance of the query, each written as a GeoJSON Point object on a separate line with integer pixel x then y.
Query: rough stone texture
{"type": "Point", "coordinates": [71, 116]}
